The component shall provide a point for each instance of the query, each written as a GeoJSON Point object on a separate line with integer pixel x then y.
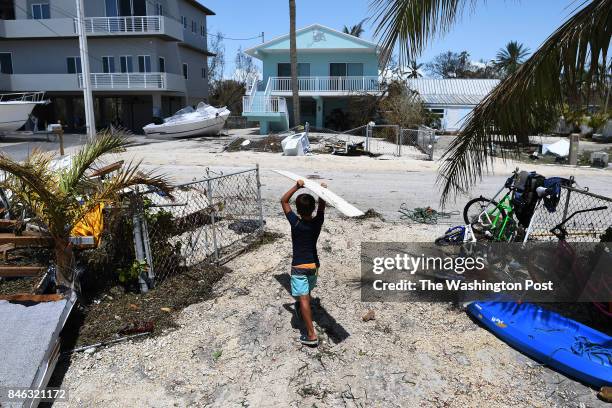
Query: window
{"type": "Point", "coordinates": [162, 64]}
{"type": "Point", "coordinates": [108, 65]}
{"type": "Point", "coordinates": [184, 22]}
{"type": "Point", "coordinates": [185, 71]}
{"type": "Point", "coordinates": [203, 72]}
{"type": "Point", "coordinates": [73, 65]}
{"type": "Point", "coordinates": [126, 64]}
{"type": "Point", "coordinates": [144, 63]}
{"type": "Point", "coordinates": [284, 69]}
{"type": "Point", "coordinates": [194, 26]}
{"type": "Point", "coordinates": [159, 9]}
{"type": "Point", "coordinates": [111, 8]}
{"type": "Point", "coordinates": [343, 69]}
{"type": "Point", "coordinates": [203, 30]}
{"type": "Point", "coordinates": [41, 11]}
{"type": "Point", "coordinates": [6, 63]}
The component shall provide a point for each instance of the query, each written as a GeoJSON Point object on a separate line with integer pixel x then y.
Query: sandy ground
{"type": "Point", "coordinates": [240, 348]}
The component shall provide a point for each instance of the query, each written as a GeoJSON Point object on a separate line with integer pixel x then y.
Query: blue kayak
{"type": "Point", "coordinates": [571, 348]}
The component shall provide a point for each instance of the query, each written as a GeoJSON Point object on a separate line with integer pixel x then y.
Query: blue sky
{"type": "Point", "coordinates": [493, 24]}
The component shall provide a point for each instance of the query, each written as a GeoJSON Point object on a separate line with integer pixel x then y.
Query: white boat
{"type": "Point", "coordinates": [15, 109]}
{"type": "Point", "coordinates": [204, 120]}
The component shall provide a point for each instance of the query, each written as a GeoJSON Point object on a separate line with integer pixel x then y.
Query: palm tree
{"type": "Point", "coordinates": [295, 90]}
{"type": "Point", "coordinates": [355, 30]}
{"type": "Point", "coordinates": [521, 102]}
{"type": "Point", "coordinates": [60, 199]}
{"type": "Point", "coordinates": [508, 59]}
{"type": "Point", "coordinates": [414, 69]}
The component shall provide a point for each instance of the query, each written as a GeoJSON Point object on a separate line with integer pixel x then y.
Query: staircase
{"type": "Point", "coordinates": [269, 111]}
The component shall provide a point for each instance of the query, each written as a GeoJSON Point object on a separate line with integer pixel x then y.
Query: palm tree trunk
{"type": "Point", "coordinates": [64, 261]}
{"type": "Point", "coordinates": [295, 91]}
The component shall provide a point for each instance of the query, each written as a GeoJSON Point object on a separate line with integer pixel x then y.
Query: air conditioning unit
{"type": "Point", "coordinates": [599, 159]}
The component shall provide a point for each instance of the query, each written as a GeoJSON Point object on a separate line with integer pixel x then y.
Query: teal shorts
{"type": "Point", "coordinates": [303, 281]}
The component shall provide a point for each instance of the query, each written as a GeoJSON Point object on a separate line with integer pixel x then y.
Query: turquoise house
{"type": "Point", "coordinates": [332, 68]}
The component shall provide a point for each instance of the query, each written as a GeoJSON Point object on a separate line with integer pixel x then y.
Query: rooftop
{"type": "Point", "coordinates": [452, 91]}
{"type": "Point", "coordinates": [315, 37]}
{"type": "Point", "coordinates": [200, 6]}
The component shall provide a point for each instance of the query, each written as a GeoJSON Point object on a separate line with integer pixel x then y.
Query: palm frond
{"type": "Point", "coordinates": [412, 24]}
{"type": "Point", "coordinates": [517, 106]}
{"type": "Point", "coordinates": [33, 174]}
{"type": "Point", "coordinates": [110, 190]}
{"type": "Point", "coordinates": [105, 142]}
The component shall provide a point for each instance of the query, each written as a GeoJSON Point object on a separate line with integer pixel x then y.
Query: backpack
{"type": "Point", "coordinates": [525, 197]}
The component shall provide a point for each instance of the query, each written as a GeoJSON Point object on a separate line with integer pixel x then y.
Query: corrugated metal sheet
{"type": "Point", "coordinates": [452, 91]}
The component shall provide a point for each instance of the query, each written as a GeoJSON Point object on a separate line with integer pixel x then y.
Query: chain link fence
{"type": "Point", "coordinates": [423, 138]}
{"type": "Point", "coordinates": [389, 140]}
{"type": "Point", "coordinates": [587, 217]}
{"type": "Point", "coordinates": [210, 221]}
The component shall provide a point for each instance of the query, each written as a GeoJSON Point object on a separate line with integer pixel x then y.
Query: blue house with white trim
{"type": "Point", "coordinates": [332, 68]}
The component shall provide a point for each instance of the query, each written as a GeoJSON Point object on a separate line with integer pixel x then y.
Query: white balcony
{"type": "Point", "coordinates": [329, 85]}
{"type": "Point", "coordinates": [135, 81]}
{"type": "Point", "coordinates": [260, 104]}
{"type": "Point", "coordinates": [132, 25]}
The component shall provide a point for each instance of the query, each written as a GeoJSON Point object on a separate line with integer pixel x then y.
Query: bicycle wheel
{"type": "Point", "coordinates": [477, 206]}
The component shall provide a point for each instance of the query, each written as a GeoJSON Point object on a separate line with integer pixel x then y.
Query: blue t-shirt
{"type": "Point", "coordinates": [304, 235]}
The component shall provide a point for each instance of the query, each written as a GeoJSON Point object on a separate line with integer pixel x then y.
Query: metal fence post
{"type": "Point", "coordinates": [260, 204]}
{"type": "Point", "coordinates": [147, 248]}
{"type": "Point", "coordinates": [399, 141]}
{"type": "Point", "coordinates": [138, 244]}
{"type": "Point", "coordinates": [212, 218]}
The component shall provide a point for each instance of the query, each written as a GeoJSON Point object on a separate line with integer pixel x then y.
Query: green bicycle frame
{"type": "Point", "coordinates": [498, 223]}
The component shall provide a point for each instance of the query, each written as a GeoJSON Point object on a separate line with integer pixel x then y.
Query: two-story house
{"type": "Point", "coordinates": [147, 57]}
{"type": "Point", "coordinates": [332, 68]}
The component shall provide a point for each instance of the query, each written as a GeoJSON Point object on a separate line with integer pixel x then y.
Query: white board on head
{"type": "Point", "coordinates": [333, 199]}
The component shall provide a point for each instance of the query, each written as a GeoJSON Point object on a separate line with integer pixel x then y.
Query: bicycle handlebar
{"type": "Point", "coordinates": [559, 230]}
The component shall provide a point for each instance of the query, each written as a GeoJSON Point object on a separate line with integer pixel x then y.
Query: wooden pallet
{"type": "Point", "coordinates": [27, 297]}
{"type": "Point", "coordinates": [27, 239]}
{"type": "Point", "coordinates": [29, 271]}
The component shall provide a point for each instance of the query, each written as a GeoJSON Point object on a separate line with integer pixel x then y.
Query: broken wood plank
{"type": "Point", "coordinates": [333, 199]}
{"type": "Point", "coordinates": [103, 171]}
{"type": "Point", "coordinates": [8, 223]}
{"type": "Point", "coordinates": [5, 250]}
{"type": "Point", "coordinates": [27, 297]}
{"type": "Point", "coordinates": [27, 239]}
{"type": "Point", "coordinates": [21, 271]}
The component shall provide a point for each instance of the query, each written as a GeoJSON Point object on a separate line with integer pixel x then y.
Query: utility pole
{"type": "Point", "coordinates": [90, 118]}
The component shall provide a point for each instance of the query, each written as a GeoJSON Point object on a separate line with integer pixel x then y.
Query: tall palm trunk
{"type": "Point", "coordinates": [295, 91]}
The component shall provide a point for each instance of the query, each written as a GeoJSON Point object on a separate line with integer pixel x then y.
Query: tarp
{"type": "Point", "coordinates": [560, 148]}
{"type": "Point", "coordinates": [91, 225]}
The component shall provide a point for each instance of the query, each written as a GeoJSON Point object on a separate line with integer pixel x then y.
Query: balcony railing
{"type": "Point", "coordinates": [330, 84]}
{"type": "Point", "coordinates": [130, 24]}
{"type": "Point", "coordinates": [155, 80]}
{"type": "Point", "coordinates": [264, 104]}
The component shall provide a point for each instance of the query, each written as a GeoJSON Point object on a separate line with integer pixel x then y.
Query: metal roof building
{"type": "Point", "coordinates": [451, 99]}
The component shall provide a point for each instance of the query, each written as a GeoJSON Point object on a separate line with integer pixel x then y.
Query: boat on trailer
{"type": "Point", "coordinates": [15, 109]}
{"type": "Point", "coordinates": [204, 120]}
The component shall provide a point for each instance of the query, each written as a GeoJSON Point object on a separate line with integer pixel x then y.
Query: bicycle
{"type": "Point", "coordinates": [567, 266]}
{"type": "Point", "coordinates": [495, 219]}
